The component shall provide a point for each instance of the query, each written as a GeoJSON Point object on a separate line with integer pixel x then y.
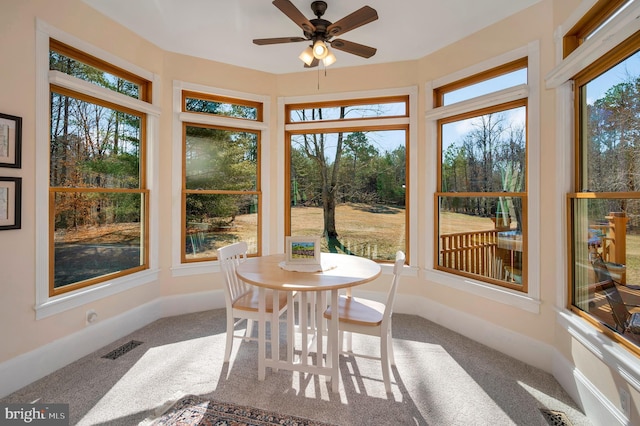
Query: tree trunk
{"type": "Point", "coordinates": [329, 212]}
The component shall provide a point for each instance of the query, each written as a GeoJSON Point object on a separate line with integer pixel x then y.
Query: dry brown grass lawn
{"type": "Point", "coordinates": [363, 229]}
{"type": "Point", "coordinates": [452, 223]}
{"type": "Point", "coordinates": [371, 231]}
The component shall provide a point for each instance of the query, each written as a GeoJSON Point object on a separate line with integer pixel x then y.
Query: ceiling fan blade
{"type": "Point", "coordinates": [362, 16]}
{"type": "Point", "coordinates": [354, 48]}
{"type": "Point", "coordinates": [313, 63]}
{"type": "Point", "coordinates": [277, 40]}
{"type": "Point", "coordinates": [295, 15]}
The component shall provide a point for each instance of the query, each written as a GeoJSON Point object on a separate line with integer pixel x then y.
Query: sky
{"type": "Point", "coordinates": [596, 89]}
{"type": "Point", "coordinates": [621, 72]}
{"type": "Point", "coordinates": [454, 132]}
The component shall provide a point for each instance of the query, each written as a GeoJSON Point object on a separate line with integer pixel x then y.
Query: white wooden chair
{"type": "Point", "coordinates": [241, 298]}
{"type": "Point", "coordinates": [357, 315]}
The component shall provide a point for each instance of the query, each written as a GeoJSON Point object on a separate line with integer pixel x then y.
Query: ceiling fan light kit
{"type": "Point", "coordinates": [307, 55]}
{"type": "Point", "coordinates": [320, 33]}
{"type": "Point", "coordinates": [329, 59]}
{"type": "Point", "coordinates": [320, 50]}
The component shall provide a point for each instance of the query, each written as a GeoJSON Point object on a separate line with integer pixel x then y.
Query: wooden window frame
{"type": "Point", "coordinates": [606, 62]}
{"type": "Point", "coordinates": [334, 126]}
{"type": "Point", "coordinates": [184, 191]}
{"type": "Point", "coordinates": [591, 21]}
{"type": "Point", "coordinates": [289, 108]}
{"type": "Point", "coordinates": [523, 102]}
{"type": "Point", "coordinates": [440, 92]}
{"type": "Point", "coordinates": [615, 56]}
{"type": "Point", "coordinates": [78, 55]}
{"type": "Point", "coordinates": [142, 190]}
{"type": "Point", "coordinates": [223, 100]}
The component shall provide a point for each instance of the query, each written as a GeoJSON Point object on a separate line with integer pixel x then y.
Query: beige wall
{"type": "Point", "coordinates": [21, 332]}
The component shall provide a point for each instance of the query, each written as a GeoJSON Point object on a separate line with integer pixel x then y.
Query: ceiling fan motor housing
{"type": "Point", "coordinates": [318, 8]}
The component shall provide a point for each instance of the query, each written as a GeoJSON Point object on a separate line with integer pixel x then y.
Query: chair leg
{"type": "Point", "coordinates": [249, 331]}
{"type": "Point", "coordinates": [230, 330]}
{"type": "Point", "coordinates": [384, 359]}
{"type": "Point", "coordinates": [392, 358]}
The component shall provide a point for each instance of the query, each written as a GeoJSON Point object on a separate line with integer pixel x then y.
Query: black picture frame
{"type": "Point", "coordinates": [10, 141]}
{"type": "Point", "coordinates": [10, 203]}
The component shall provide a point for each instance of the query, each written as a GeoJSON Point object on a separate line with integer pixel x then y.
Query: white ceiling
{"type": "Point", "coordinates": [223, 30]}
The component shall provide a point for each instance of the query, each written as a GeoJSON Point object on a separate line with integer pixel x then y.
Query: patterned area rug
{"type": "Point", "coordinates": [192, 410]}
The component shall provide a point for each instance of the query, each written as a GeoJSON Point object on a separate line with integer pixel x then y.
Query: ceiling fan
{"type": "Point", "coordinates": [321, 32]}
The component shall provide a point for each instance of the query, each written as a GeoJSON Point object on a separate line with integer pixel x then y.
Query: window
{"type": "Point", "coordinates": [221, 185]}
{"type": "Point", "coordinates": [347, 170]}
{"type": "Point", "coordinates": [221, 106]}
{"type": "Point", "coordinates": [605, 208]}
{"type": "Point", "coordinates": [98, 196]}
{"type": "Point", "coordinates": [481, 197]}
{"type": "Point", "coordinates": [600, 14]}
{"type": "Point", "coordinates": [503, 77]}
{"type": "Point", "coordinates": [362, 108]}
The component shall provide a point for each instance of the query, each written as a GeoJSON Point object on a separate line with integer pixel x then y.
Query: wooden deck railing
{"type": "Point", "coordinates": [473, 252]}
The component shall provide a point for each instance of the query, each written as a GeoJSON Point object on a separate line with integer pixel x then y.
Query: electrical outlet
{"type": "Point", "coordinates": [625, 402]}
{"type": "Point", "coordinates": [92, 316]}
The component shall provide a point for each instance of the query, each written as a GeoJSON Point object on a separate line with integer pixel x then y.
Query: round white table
{"type": "Point", "coordinates": [339, 272]}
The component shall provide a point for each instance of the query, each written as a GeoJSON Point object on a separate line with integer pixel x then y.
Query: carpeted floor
{"type": "Point", "coordinates": [441, 378]}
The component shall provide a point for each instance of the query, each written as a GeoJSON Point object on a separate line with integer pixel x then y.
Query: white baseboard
{"type": "Point", "coordinates": [31, 366]}
{"type": "Point", "coordinates": [595, 405]}
{"type": "Point", "coordinates": [519, 346]}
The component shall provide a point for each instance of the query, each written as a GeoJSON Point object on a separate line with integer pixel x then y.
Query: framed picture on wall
{"type": "Point", "coordinates": [10, 141]}
{"type": "Point", "coordinates": [10, 202]}
{"type": "Point", "coordinates": [303, 250]}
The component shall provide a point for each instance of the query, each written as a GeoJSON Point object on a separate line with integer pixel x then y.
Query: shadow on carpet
{"type": "Point", "coordinates": [191, 410]}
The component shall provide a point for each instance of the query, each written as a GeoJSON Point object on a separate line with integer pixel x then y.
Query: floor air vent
{"type": "Point", "coordinates": [118, 352]}
{"type": "Point", "coordinates": [555, 418]}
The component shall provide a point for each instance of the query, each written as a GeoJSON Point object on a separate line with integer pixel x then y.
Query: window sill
{"type": "Point", "coordinates": [488, 291]}
{"type": "Point", "coordinates": [195, 268]}
{"type": "Point", "coordinates": [610, 353]}
{"type": "Point", "coordinates": [55, 305]}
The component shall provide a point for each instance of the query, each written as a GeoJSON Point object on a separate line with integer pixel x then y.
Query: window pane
{"type": "Point", "coordinates": [482, 236]}
{"type": "Point", "coordinates": [96, 234]}
{"type": "Point", "coordinates": [374, 233]}
{"type": "Point", "coordinates": [74, 68]}
{"type": "Point", "coordinates": [486, 153]}
{"type": "Point", "coordinates": [92, 145]}
{"type": "Point", "coordinates": [485, 87]}
{"type": "Point", "coordinates": [607, 230]}
{"type": "Point", "coordinates": [226, 109]}
{"type": "Point", "coordinates": [350, 187]}
{"type": "Point", "coordinates": [391, 109]}
{"type": "Point", "coordinates": [221, 159]}
{"type": "Point", "coordinates": [606, 21]}
{"type": "Point", "coordinates": [215, 220]}
{"type": "Point", "coordinates": [610, 112]}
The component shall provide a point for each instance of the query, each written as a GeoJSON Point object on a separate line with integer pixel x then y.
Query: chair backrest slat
{"type": "Point", "coordinates": [230, 257]}
{"type": "Point", "coordinates": [391, 295]}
